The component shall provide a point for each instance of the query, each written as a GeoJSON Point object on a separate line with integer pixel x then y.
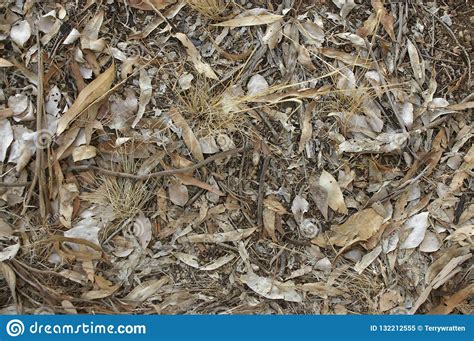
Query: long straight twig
{"type": "Point", "coordinates": [261, 187]}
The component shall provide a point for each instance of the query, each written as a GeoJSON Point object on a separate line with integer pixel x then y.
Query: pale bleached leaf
{"type": "Point", "coordinates": [299, 207]}
{"type": "Point", "coordinates": [20, 33]}
{"type": "Point", "coordinates": [271, 288]}
{"type": "Point", "coordinates": [9, 252]}
{"type": "Point", "coordinates": [146, 91]}
{"type": "Point", "coordinates": [416, 228]}
{"type": "Point", "coordinates": [251, 20]}
{"type": "Point", "coordinates": [335, 196]}
{"type": "Point", "coordinates": [195, 57]}
{"type": "Point", "coordinates": [189, 138]}
{"type": "Point", "coordinates": [145, 290]}
{"type": "Point", "coordinates": [223, 237]}
{"type": "Point", "coordinates": [6, 137]}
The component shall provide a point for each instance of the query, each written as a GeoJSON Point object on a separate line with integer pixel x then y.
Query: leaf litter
{"type": "Point", "coordinates": [206, 157]}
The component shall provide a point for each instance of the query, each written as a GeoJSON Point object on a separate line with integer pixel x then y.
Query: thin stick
{"type": "Point", "coordinates": [39, 174]}
{"type": "Point", "coordinates": [261, 187]}
{"type": "Point", "coordinates": [17, 184]}
{"type": "Point", "coordinates": [160, 173]}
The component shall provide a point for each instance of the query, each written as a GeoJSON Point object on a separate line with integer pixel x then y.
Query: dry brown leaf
{"type": "Point", "coordinates": [190, 181]}
{"type": "Point", "coordinates": [359, 227]}
{"type": "Point", "coordinates": [269, 223]}
{"type": "Point", "coordinates": [347, 58]}
{"type": "Point", "coordinates": [271, 288]}
{"type": "Point", "coordinates": [416, 64]}
{"type": "Point", "coordinates": [389, 299]}
{"type": "Point", "coordinates": [252, 20]}
{"type": "Point", "coordinates": [146, 289]}
{"type": "Point", "coordinates": [306, 126]}
{"type": "Point", "coordinates": [178, 194]}
{"type": "Point", "coordinates": [149, 5]}
{"type": "Point", "coordinates": [9, 277]}
{"type": "Point", "coordinates": [441, 262]}
{"type": "Point", "coordinates": [368, 259]}
{"type": "Point", "coordinates": [272, 203]}
{"type": "Point", "coordinates": [335, 197]}
{"type": "Point", "coordinates": [452, 302]}
{"type": "Point", "coordinates": [100, 293]}
{"type": "Point", "coordinates": [188, 136]}
{"type": "Point", "coordinates": [386, 19]}
{"type": "Point", "coordinates": [5, 63]}
{"type": "Point", "coordinates": [320, 198]}
{"type": "Point", "coordinates": [195, 57]}
{"type": "Point", "coordinates": [369, 27]}
{"type": "Point", "coordinates": [320, 289]}
{"type": "Point", "coordinates": [91, 93]}
{"type": "Point", "coordinates": [223, 237]}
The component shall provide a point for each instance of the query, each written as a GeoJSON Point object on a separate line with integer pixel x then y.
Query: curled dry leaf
{"type": "Point", "coordinates": [274, 205]}
{"type": "Point", "coordinates": [83, 153]}
{"type": "Point", "coordinates": [5, 63]}
{"type": "Point", "coordinates": [90, 94]}
{"type": "Point", "coordinates": [346, 6]}
{"type": "Point", "coordinates": [273, 34]}
{"type": "Point", "coordinates": [334, 193]}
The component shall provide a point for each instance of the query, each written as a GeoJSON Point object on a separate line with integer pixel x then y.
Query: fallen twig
{"type": "Point", "coordinates": [261, 186]}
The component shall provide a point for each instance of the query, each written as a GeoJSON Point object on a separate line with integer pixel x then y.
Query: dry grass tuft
{"type": "Point", "coordinates": [126, 197]}
{"type": "Point", "coordinates": [211, 9]}
{"type": "Point", "coordinates": [212, 110]}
